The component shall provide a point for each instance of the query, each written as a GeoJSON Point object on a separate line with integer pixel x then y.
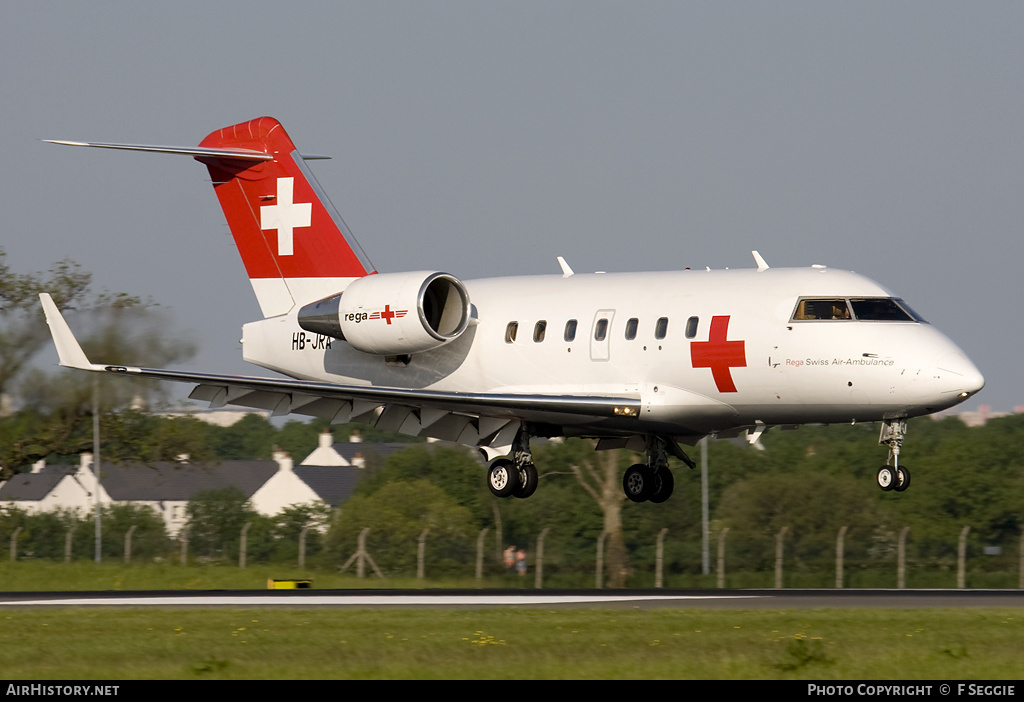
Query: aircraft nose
{"type": "Point", "coordinates": [958, 375]}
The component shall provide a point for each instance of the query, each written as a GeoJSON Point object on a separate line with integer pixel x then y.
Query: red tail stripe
{"type": "Point", "coordinates": [317, 250]}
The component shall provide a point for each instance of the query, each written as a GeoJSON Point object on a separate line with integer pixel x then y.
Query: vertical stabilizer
{"type": "Point", "coordinates": [294, 244]}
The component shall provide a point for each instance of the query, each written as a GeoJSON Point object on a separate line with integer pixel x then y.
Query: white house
{"type": "Point", "coordinates": [167, 487]}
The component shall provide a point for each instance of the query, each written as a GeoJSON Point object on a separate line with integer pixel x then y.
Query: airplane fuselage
{"type": "Point", "coordinates": [703, 351]}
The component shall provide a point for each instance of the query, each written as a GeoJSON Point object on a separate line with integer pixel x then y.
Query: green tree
{"type": "Point", "coordinates": [299, 439]}
{"type": "Point", "coordinates": [214, 521]}
{"type": "Point", "coordinates": [811, 508]}
{"type": "Point", "coordinates": [53, 410]}
{"type": "Point", "coordinates": [455, 469]}
{"type": "Point", "coordinates": [22, 332]}
{"type": "Point", "coordinates": [288, 527]}
{"type": "Point", "coordinates": [149, 538]}
{"type": "Point", "coordinates": [43, 534]}
{"type": "Point", "coordinates": [396, 515]}
{"type": "Point", "coordinates": [250, 438]}
{"type": "Point", "coordinates": [600, 474]}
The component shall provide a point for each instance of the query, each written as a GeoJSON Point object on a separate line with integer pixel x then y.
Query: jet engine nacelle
{"type": "Point", "coordinates": [392, 314]}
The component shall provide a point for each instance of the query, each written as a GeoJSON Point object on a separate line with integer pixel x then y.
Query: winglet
{"type": "Point", "coordinates": [69, 352]}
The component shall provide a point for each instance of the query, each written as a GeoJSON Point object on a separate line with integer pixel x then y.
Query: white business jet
{"type": "Point", "coordinates": [643, 361]}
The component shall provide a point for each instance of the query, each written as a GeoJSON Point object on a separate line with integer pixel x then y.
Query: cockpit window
{"type": "Point", "coordinates": [883, 310]}
{"type": "Point", "coordinates": [906, 308]}
{"type": "Point", "coordinates": [865, 309]}
{"type": "Point", "coordinates": [822, 309]}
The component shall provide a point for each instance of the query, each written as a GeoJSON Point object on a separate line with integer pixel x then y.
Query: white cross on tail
{"type": "Point", "coordinates": [284, 216]}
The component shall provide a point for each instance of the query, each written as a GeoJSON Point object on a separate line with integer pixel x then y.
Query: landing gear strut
{"type": "Point", "coordinates": [650, 482]}
{"type": "Point", "coordinates": [894, 477]}
{"type": "Point", "coordinates": [516, 477]}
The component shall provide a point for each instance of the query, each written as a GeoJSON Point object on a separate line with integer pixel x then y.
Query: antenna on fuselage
{"type": "Point", "coordinates": [762, 265]}
{"type": "Point", "coordinates": [566, 271]}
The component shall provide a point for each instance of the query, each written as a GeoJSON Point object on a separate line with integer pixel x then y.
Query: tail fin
{"type": "Point", "coordinates": [295, 246]}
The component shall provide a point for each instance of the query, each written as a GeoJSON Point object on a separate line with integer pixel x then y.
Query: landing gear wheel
{"type": "Point", "coordinates": [662, 485]}
{"type": "Point", "coordinates": [527, 481]}
{"type": "Point", "coordinates": [887, 478]}
{"type": "Point", "coordinates": [502, 477]}
{"type": "Point", "coordinates": [637, 482]}
{"type": "Point", "coordinates": [902, 479]}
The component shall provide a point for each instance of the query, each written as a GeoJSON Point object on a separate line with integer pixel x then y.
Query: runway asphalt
{"type": "Point", "coordinates": [681, 599]}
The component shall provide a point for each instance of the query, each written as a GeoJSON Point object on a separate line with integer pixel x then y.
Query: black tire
{"type": "Point", "coordinates": [886, 478]}
{"type": "Point", "coordinates": [502, 477]}
{"type": "Point", "coordinates": [663, 485]}
{"type": "Point", "coordinates": [903, 479]}
{"type": "Point", "coordinates": [636, 483]}
{"type": "Point", "coordinates": [528, 480]}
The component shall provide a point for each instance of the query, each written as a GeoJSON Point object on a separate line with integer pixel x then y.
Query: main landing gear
{"type": "Point", "coordinates": [894, 477]}
{"type": "Point", "coordinates": [516, 477]}
{"type": "Point", "coordinates": [650, 482]}
{"type": "Point", "coordinates": [643, 482]}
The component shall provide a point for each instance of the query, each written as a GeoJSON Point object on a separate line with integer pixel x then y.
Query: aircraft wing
{"type": "Point", "coordinates": [489, 420]}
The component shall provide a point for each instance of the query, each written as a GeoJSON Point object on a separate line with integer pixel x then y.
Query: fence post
{"type": "Point", "coordinates": [599, 569]}
{"type": "Point", "coordinates": [961, 557]}
{"type": "Point", "coordinates": [361, 557]}
{"type": "Point", "coordinates": [14, 544]}
{"type": "Point", "coordinates": [421, 549]}
{"type": "Point", "coordinates": [840, 546]}
{"type": "Point", "coordinates": [302, 546]}
{"type": "Point", "coordinates": [360, 551]}
{"type": "Point", "coordinates": [128, 543]}
{"type": "Point", "coordinates": [242, 545]}
{"type": "Point", "coordinates": [778, 556]}
{"type": "Point", "coordinates": [183, 538]}
{"type": "Point", "coordinates": [480, 555]}
{"type": "Point", "coordinates": [659, 559]}
{"type": "Point", "coordinates": [68, 535]}
{"type": "Point", "coordinates": [721, 557]}
{"type": "Point", "coordinates": [538, 575]}
{"type": "Point", "coordinates": [901, 558]}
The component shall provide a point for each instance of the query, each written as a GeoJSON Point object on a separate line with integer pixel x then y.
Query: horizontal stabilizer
{"type": "Point", "coordinates": [197, 151]}
{"type": "Point", "coordinates": [240, 154]}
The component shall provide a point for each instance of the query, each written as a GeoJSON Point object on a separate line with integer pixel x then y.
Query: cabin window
{"type": "Point", "coordinates": [831, 308]}
{"type": "Point", "coordinates": [539, 329]}
{"type": "Point", "coordinates": [661, 328]}
{"type": "Point", "coordinates": [631, 326]}
{"type": "Point", "coordinates": [570, 330]}
{"type": "Point", "coordinates": [510, 332]}
{"type": "Point", "coordinates": [601, 329]}
{"type": "Point", "coordinates": [691, 327]}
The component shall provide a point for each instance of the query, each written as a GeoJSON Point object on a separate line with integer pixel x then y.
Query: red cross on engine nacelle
{"type": "Point", "coordinates": [719, 355]}
{"type": "Point", "coordinates": [388, 314]}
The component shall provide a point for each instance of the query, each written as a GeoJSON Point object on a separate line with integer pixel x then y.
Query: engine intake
{"type": "Point", "coordinates": [390, 314]}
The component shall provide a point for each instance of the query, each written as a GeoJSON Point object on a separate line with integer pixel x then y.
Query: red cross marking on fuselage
{"type": "Point", "coordinates": [387, 314]}
{"type": "Point", "coordinates": [719, 355]}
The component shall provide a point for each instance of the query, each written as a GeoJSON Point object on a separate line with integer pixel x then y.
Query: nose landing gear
{"type": "Point", "coordinates": [894, 477]}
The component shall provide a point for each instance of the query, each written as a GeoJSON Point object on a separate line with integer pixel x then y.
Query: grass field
{"type": "Point", "coordinates": [250, 644]}
{"type": "Point", "coordinates": [498, 643]}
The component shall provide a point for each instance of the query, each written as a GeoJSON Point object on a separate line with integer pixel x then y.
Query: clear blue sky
{"type": "Point", "coordinates": [485, 138]}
